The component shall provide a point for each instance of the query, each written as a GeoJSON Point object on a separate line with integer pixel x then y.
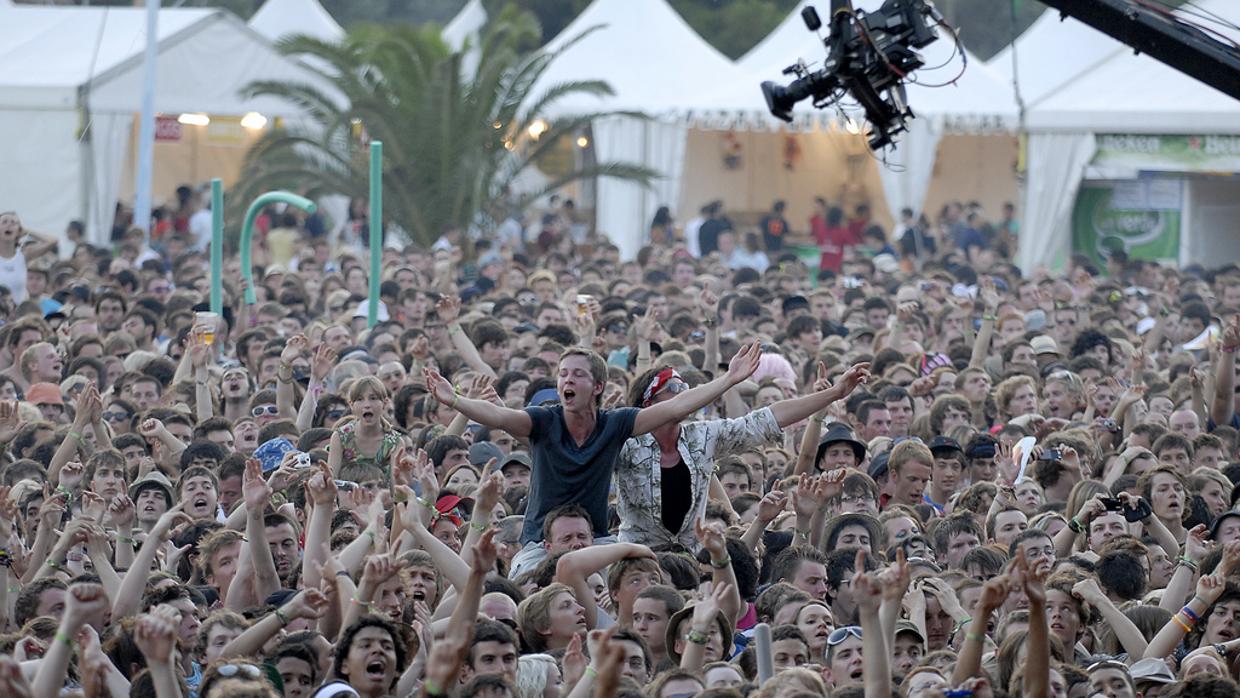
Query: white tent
{"type": "Point", "coordinates": [655, 63]}
{"type": "Point", "coordinates": [466, 25]}
{"type": "Point", "coordinates": [1121, 94]}
{"type": "Point", "coordinates": [70, 86]}
{"type": "Point", "coordinates": [280, 18]}
{"type": "Point", "coordinates": [463, 32]}
{"type": "Point", "coordinates": [978, 101]}
{"type": "Point", "coordinates": [1051, 53]}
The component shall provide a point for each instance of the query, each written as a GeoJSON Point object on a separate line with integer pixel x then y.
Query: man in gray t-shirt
{"type": "Point", "coordinates": [574, 445]}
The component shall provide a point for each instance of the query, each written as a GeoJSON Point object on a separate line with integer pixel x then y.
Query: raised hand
{"type": "Point", "coordinates": [440, 388]}
{"type": "Point", "coordinates": [380, 568]}
{"type": "Point", "coordinates": [485, 552]}
{"type": "Point", "coordinates": [254, 488]}
{"type": "Point", "coordinates": [310, 604]}
{"type": "Point", "coordinates": [574, 661]}
{"type": "Point", "coordinates": [8, 420]}
{"type": "Point", "coordinates": [772, 505]}
{"type": "Point", "coordinates": [821, 382]}
{"type": "Point", "coordinates": [712, 538]}
{"type": "Point", "coordinates": [1210, 587]}
{"type": "Point", "coordinates": [708, 304]}
{"type": "Point", "coordinates": [155, 633]}
{"type": "Point", "coordinates": [322, 362]}
{"type": "Point", "coordinates": [705, 610]}
{"type": "Point", "coordinates": [1197, 544]}
{"type": "Point", "coordinates": [121, 513]}
{"type": "Point", "coordinates": [744, 363]}
{"type": "Point", "coordinates": [894, 579]}
{"type": "Point", "coordinates": [646, 326]}
{"type": "Point", "coordinates": [294, 348]}
{"type": "Point", "coordinates": [448, 309]}
{"type": "Point", "coordinates": [486, 497]}
{"type": "Point", "coordinates": [83, 602]}
{"type": "Point", "coordinates": [994, 593]}
{"type": "Point", "coordinates": [13, 683]}
{"type": "Point", "coordinates": [867, 591]}
{"type": "Point", "coordinates": [989, 295]}
{"type": "Point", "coordinates": [857, 374]}
{"type": "Point", "coordinates": [93, 506]}
{"type": "Point", "coordinates": [421, 348]}
{"type": "Point", "coordinates": [163, 526]}
{"type": "Point", "coordinates": [150, 428]}
{"type": "Point", "coordinates": [1087, 590]}
{"type": "Point", "coordinates": [71, 475]}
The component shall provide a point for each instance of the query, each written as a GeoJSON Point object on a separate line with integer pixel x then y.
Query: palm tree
{"type": "Point", "coordinates": [452, 146]}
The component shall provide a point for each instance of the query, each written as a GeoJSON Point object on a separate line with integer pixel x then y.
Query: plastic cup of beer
{"type": "Point", "coordinates": [209, 322]}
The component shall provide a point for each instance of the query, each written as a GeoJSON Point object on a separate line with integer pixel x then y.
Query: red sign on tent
{"type": "Point", "coordinates": [168, 129]}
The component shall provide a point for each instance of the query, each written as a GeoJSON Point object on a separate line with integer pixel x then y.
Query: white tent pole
{"type": "Point", "coordinates": [146, 128]}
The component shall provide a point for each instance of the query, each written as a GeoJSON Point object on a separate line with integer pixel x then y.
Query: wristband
{"type": "Point", "coordinates": [64, 638]}
{"type": "Point", "coordinates": [697, 638]}
{"type": "Point", "coordinates": [591, 672]}
{"type": "Point", "coordinates": [426, 503]}
{"type": "Point", "coordinates": [477, 526]}
{"type": "Point", "coordinates": [6, 558]}
{"type": "Point", "coordinates": [284, 621]}
{"type": "Point", "coordinates": [54, 565]}
{"type": "Point", "coordinates": [431, 688]}
{"type": "Point", "coordinates": [970, 635]}
{"type": "Point", "coordinates": [1231, 349]}
{"type": "Point", "coordinates": [343, 573]}
{"type": "Point", "coordinates": [721, 564]}
{"type": "Point", "coordinates": [1221, 649]}
{"type": "Point", "coordinates": [1188, 613]}
{"type": "Point", "coordinates": [990, 318]}
{"type": "Point", "coordinates": [75, 436]}
{"type": "Point", "coordinates": [1190, 564]}
{"type": "Point", "coordinates": [455, 400]}
{"type": "Point", "coordinates": [1187, 628]}
{"type": "Point", "coordinates": [1075, 525]}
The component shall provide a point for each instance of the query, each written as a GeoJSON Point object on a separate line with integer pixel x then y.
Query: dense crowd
{"type": "Point", "coordinates": [547, 471]}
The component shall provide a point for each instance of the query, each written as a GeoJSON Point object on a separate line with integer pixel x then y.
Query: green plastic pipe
{"type": "Point", "coordinates": [247, 232]}
{"type": "Point", "coordinates": [217, 246]}
{"type": "Point", "coordinates": [376, 230]}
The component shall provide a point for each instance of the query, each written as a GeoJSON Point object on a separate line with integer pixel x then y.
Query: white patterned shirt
{"type": "Point", "coordinates": [639, 474]}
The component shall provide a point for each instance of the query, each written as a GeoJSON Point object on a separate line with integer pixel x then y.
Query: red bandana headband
{"type": "Point", "coordinates": [660, 381]}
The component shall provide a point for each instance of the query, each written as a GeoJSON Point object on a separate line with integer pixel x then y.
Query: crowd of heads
{"type": "Point", "coordinates": [1029, 491]}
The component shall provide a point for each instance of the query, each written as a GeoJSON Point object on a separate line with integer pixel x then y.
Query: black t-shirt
{"type": "Point", "coordinates": [565, 473]}
{"type": "Point", "coordinates": [677, 487]}
{"type": "Point", "coordinates": [708, 234]}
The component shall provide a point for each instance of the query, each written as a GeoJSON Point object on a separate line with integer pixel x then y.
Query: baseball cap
{"type": "Point", "coordinates": [944, 443]}
{"type": "Point", "coordinates": [878, 465]}
{"type": "Point", "coordinates": [1153, 670]}
{"type": "Point", "coordinates": [480, 452]}
{"type": "Point", "coordinates": [544, 396]}
{"type": "Point", "coordinates": [1218, 521]}
{"type": "Point", "coordinates": [1045, 345]}
{"type": "Point", "coordinates": [519, 458]}
{"type": "Point", "coordinates": [44, 394]}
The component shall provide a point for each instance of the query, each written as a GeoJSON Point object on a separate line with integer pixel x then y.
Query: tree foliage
{"type": "Point", "coordinates": [452, 144]}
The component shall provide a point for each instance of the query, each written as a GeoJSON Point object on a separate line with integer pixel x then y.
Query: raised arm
{"type": "Point", "coordinates": [82, 602]}
{"type": "Point", "coordinates": [72, 443]}
{"type": "Point", "coordinates": [1125, 630]}
{"type": "Point", "coordinates": [741, 367]}
{"type": "Point", "coordinates": [769, 507]}
{"type": "Point", "coordinates": [1209, 588]}
{"type": "Point", "coordinates": [990, 305]}
{"type": "Point", "coordinates": [722, 574]}
{"type": "Point", "coordinates": [310, 603]}
{"type": "Point", "coordinates": [320, 365]}
{"type": "Point", "coordinates": [794, 410]}
{"type": "Point", "coordinates": [321, 495]}
{"type": "Point", "coordinates": [515, 422]}
{"type": "Point", "coordinates": [969, 661]}
{"type": "Point", "coordinates": [704, 612]}
{"type": "Point", "coordinates": [574, 567]}
{"type": "Point", "coordinates": [1038, 660]}
{"type": "Point", "coordinates": [156, 636]}
{"type": "Point", "coordinates": [257, 494]}
{"type": "Point", "coordinates": [448, 309]}
{"type": "Point", "coordinates": [867, 591]}
{"type": "Point", "coordinates": [1223, 406]}
{"type": "Point", "coordinates": [294, 349]}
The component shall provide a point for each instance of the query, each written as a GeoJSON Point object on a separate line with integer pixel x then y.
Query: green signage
{"type": "Point", "coordinates": [1141, 217]}
{"type": "Point", "coordinates": [1169, 153]}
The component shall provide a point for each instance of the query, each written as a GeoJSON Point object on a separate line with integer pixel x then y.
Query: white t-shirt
{"type": "Point", "coordinates": [200, 227]}
{"type": "Point", "coordinates": [13, 275]}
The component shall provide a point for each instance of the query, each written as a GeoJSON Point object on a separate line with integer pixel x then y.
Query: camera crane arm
{"type": "Point", "coordinates": [1177, 44]}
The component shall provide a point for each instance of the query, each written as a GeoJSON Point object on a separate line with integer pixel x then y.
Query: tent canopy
{"type": "Point", "coordinates": [280, 18]}
{"type": "Point", "coordinates": [649, 55]}
{"type": "Point", "coordinates": [1051, 53]}
{"type": "Point", "coordinates": [1127, 93]}
{"type": "Point", "coordinates": [74, 108]}
{"type": "Point", "coordinates": [466, 25]}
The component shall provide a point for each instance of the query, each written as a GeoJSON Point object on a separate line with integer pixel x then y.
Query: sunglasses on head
{"type": "Point", "coordinates": [247, 670]}
{"type": "Point", "coordinates": [841, 634]}
{"type": "Point", "coordinates": [260, 410]}
{"type": "Point", "coordinates": [335, 413]}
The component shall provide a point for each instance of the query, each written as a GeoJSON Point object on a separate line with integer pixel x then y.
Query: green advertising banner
{"type": "Point", "coordinates": [1169, 153]}
{"type": "Point", "coordinates": [1141, 217]}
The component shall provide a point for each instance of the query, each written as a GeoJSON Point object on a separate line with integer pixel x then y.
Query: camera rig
{"type": "Point", "coordinates": [869, 54]}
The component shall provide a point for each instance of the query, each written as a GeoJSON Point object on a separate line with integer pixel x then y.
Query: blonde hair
{"type": "Point", "coordinates": [531, 679]}
{"type": "Point", "coordinates": [534, 614]}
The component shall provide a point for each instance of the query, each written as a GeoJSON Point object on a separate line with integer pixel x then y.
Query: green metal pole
{"type": "Point", "coordinates": [217, 246]}
{"type": "Point", "coordinates": [247, 232]}
{"type": "Point", "coordinates": [376, 230]}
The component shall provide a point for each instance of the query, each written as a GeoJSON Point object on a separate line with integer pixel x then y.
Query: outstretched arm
{"type": "Point", "coordinates": [742, 366]}
{"type": "Point", "coordinates": [794, 410]}
{"type": "Point", "coordinates": [448, 309]}
{"type": "Point", "coordinates": [1223, 406]}
{"type": "Point", "coordinates": [515, 422]}
{"type": "Point", "coordinates": [573, 568]}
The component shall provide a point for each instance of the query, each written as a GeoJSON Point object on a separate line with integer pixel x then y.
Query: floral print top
{"type": "Point", "coordinates": [351, 454]}
{"type": "Point", "coordinates": [638, 475]}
